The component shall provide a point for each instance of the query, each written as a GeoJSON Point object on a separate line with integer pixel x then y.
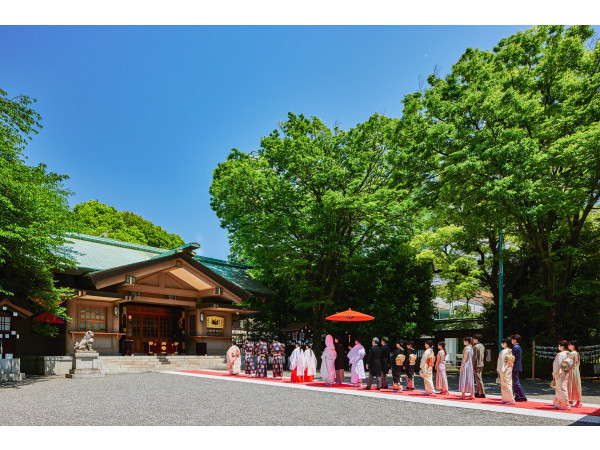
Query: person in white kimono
{"type": "Point", "coordinates": [504, 368]}
{"type": "Point", "coordinates": [328, 361]}
{"type": "Point", "coordinates": [560, 376]}
{"type": "Point", "coordinates": [357, 369]}
{"type": "Point", "coordinates": [310, 361]}
{"type": "Point", "coordinates": [234, 360]}
{"type": "Point", "coordinates": [427, 362]}
{"type": "Point", "coordinates": [297, 364]}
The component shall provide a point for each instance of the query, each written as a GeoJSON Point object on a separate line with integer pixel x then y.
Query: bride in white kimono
{"type": "Point", "coordinates": [504, 369]}
{"type": "Point", "coordinates": [427, 361]}
{"type": "Point", "coordinates": [560, 376]}
{"type": "Point", "coordinates": [357, 371]}
{"type": "Point", "coordinates": [328, 363]}
{"type": "Point", "coordinates": [234, 360]}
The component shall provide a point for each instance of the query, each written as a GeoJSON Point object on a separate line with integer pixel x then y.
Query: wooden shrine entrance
{"type": "Point", "coordinates": [154, 329]}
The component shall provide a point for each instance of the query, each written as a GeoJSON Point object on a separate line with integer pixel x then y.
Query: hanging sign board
{"type": "Point", "coordinates": [215, 322]}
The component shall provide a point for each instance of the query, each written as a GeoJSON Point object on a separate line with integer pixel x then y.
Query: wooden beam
{"type": "Point", "coordinates": [143, 272]}
{"type": "Point", "coordinates": [159, 290]}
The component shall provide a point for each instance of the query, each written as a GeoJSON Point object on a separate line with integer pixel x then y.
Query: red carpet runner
{"type": "Point", "coordinates": [538, 406]}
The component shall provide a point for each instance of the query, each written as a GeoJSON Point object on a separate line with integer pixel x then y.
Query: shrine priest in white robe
{"type": "Point", "coordinates": [357, 369]}
{"type": "Point", "coordinates": [297, 364]}
{"type": "Point", "coordinates": [234, 360]}
{"type": "Point", "coordinates": [328, 361]}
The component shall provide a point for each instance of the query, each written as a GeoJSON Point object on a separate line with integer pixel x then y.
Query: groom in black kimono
{"type": "Point", "coordinates": [374, 364]}
{"type": "Point", "coordinates": [385, 362]}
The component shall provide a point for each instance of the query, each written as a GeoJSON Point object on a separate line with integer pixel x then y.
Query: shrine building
{"type": "Point", "coordinates": [146, 300]}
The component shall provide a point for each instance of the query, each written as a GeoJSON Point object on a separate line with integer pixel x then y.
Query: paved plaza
{"type": "Point", "coordinates": [175, 399]}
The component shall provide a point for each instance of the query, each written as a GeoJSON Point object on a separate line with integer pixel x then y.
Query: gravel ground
{"type": "Point", "coordinates": [166, 399]}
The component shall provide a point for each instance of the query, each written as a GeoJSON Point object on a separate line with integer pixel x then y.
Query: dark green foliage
{"type": "Point", "coordinates": [95, 218]}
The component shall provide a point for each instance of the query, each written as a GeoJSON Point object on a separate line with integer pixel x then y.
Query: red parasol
{"type": "Point", "coordinates": [350, 316]}
{"type": "Point", "coordinates": [48, 317]}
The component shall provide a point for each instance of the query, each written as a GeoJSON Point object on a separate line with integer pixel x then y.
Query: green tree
{"type": "Point", "coordinates": [310, 200]}
{"type": "Point", "coordinates": [34, 215]}
{"type": "Point", "coordinates": [388, 283]}
{"type": "Point", "coordinates": [514, 134]}
{"type": "Point", "coordinates": [95, 218]}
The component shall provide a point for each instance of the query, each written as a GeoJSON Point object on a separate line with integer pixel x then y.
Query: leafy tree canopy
{"type": "Point", "coordinates": [34, 214]}
{"type": "Point", "coordinates": [513, 134]}
{"type": "Point", "coordinates": [95, 218]}
{"type": "Point", "coordinates": [309, 202]}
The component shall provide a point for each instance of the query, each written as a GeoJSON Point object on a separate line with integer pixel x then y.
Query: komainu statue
{"type": "Point", "coordinates": [86, 343]}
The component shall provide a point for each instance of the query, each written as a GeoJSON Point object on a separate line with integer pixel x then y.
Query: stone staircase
{"type": "Point", "coordinates": [112, 365]}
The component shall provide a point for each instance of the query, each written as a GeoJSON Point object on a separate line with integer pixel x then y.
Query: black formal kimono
{"type": "Point", "coordinates": [409, 369]}
{"type": "Point", "coordinates": [397, 369]}
{"type": "Point", "coordinates": [374, 362]}
{"type": "Point", "coordinates": [385, 365]}
{"type": "Point", "coordinates": [340, 356]}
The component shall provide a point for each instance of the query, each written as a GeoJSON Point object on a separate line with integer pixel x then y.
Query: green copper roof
{"type": "Point", "coordinates": [96, 254]}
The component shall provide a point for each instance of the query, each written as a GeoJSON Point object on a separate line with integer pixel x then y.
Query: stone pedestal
{"type": "Point", "coordinates": [10, 369]}
{"type": "Point", "coordinates": [85, 365]}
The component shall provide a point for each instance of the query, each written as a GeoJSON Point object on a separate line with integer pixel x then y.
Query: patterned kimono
{"type": "Point", "coordinates": [261, 361]}
{"type": "Point", "coordinates": [277, 349]}
{"type": "Point", "coordinates": [504, 368]}
{"type": "Point", "coordinates": [409, 368]}
{"type": "Point", "coordinates": [441, 379]}
{"type": "Point", "coordinates": [427, 362]}
{"type": "Point", "coordinates": [574, 387]}
{"type": "Point", "coordinates": [234, 360]}
{"type": "Point", "coordinates": [248, 349]}
{"type": "Point", "coordinates": [357, 369]}
{"type": "Point", "coordinates": [560, 374]}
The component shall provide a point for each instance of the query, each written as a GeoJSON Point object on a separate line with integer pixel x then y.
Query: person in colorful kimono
{"type": "Point", "coordinates": [234, 359]}
{"type": "Point", "coordinates": [409, 365]}
{"type": "Point", "coordinates": [397, 362]}
{"type": "Point", "coordinates": [261, 351]}
{"type": "Point", "coordinates": [328, 361]}
{"type": "Point", "coordinates": [311, 363]}
{"type": "Point", "coordinates": [517, 351]}
{"type": "Point", "coordinates": [575, 377]}
{"type": "Point", "coordinates": [427, 362]}
{"type": "Point", "coordinates": [357, 369]}
{"type": "Point", "coordinates": [441, 379]}
{"type": "Point", "coordinates": [560, 376]}
{"type": "Point", "coordinates": [277, 350]}
{"type": "Point", "coordinates": [504, 368]}
{"type": "Point", "coordinates": [248, 349]}
{"type": "Point", "coordinates": [297, 364]}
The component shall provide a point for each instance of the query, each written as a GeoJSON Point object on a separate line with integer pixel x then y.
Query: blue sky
{"type": "Point", "coordinates": [140, 116]}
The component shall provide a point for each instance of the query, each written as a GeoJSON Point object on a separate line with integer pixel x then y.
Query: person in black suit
{"type": "Point", "coordinates": [409, 366]}
{"type": "Point", "coordinates": [385, 362]}
{"type": "Point", "coordinates": [517, 351]}
{"type": "Point", "coordinates": [339, 360]}
{"type": "Point", "coordinates": [374, 364]}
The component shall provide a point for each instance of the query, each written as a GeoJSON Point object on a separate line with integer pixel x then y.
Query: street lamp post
{"type": "Point", "coordinates": [500, 299]}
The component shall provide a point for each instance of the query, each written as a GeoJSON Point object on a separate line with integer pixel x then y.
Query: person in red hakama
{"type": "Point", "coordinates": [297, 364]}
{"type": "Point", "coordinates": [311, 364]}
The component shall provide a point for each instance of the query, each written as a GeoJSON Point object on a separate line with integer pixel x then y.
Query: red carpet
{"type": "Point", "coordinates": [538, 406]}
